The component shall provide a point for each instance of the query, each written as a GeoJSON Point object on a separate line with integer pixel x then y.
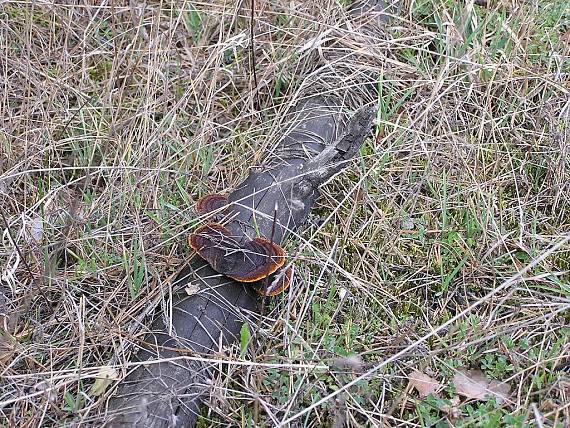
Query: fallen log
{"type": "Point", "coordinates": [171, 370]}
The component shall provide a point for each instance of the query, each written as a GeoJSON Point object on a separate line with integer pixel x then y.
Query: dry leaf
{"type": "Point", "coordinates": [7, 342]}
{"type": "Point", "coordinates": [47, 387]}
{"type": "Point", "coordinates": [475, 385]}
{"type": "Point", "coordinates": [351, 362]}
{"type": "Point", "coordinates": [105, 377]}
{"type": "Point", "coordinates": [408, 224]}
{"type": "Point", "coordinates": [424, 384]}
{"type": "Point", "coordinates": [6, 348]}
{"type": "Point", "coordinates": [192, 289]}
{"type": "Point", "coordinates": [452, 409]}
{"type": "Point", "coordinates": [33, 230]}
{"type": "Point", "coordinates": [501, 391]}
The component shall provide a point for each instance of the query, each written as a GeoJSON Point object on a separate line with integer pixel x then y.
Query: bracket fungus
{"type": "Point", "coordinates": [257, 260]}
{"type": "Point", "coordinates": [276, 283]}
{"type": "Point", "coordinates": [210, 203]}
{"type": "Point", "coordinates": [251, 261]}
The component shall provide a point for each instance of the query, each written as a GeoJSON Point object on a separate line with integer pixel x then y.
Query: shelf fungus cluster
{"type": "Point", "coordinates": [258, 261]}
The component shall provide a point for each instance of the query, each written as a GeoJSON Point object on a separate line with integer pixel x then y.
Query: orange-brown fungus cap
{"type": "Point", "coordinates": [208, 235]}
{"type": "Point", "coordinates": [260, 259]}
{"type": "Point", "coordinates": [247, 262]}
{"type": "Point", "coordinates": [278, 283]}
{"type": "Point", "coordinates": [210, 203]}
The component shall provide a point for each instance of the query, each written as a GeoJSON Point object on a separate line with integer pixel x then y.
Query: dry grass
{"type": "Point", "coordinates": [445, 245]}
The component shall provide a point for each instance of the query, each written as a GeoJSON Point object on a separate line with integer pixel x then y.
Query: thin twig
{"type": "Point", "coordinates": [252, 56]}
